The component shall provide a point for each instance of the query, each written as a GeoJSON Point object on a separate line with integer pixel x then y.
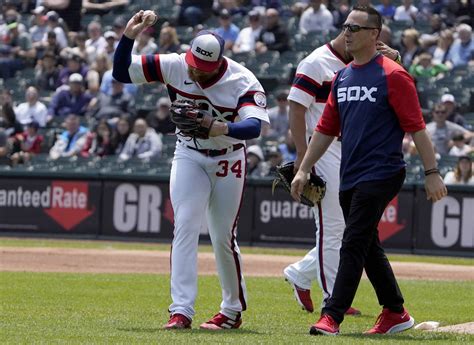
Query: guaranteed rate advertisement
{"type": "Point", "coordinates": [49, 206]}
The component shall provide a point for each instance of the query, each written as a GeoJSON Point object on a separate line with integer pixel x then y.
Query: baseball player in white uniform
{"type": "Point", "coordinates": [307, 97]}
{"type": "Point", "coordinates": [207, 177]}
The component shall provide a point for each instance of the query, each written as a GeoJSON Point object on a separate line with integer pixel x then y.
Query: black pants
{"type": "Point", "coordinates": [363, 207]}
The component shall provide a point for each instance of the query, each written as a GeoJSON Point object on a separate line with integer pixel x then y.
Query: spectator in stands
{"type": "Point", "coordinates": [316, 18]}
{"type": "Point", "coordinates": [78, 47]}
{"type": "Point", "coordinates": [406, 12]}
{"type": "Point", "coordinates": [254, 160]}
{"type": "Point", "coordinates": [110, 107]}
{"type": "Point", "coordinates": [101, 64]}
{"type": "Point", "coordinates": [69, 10]}
{"type": "Point", "coordinates": [462, 50]}
{"type": "Point", "coordinates": [111, 39]}
{"type": "Point", "coordinates": [106, 85]}
{"type": "Point", "coordinates": [276, 4]}
{"type": "Point", "coordinates": [9, 122]}
{"type": "Point", "coordinates": [102, 7]}
{"type": "Point", "coordinates": [386, 9]}
{"type": "Point", "coordinates": [410, 46]}
{"type": "Point", "coordinates": [279, 122]}
{"type": "Point", "coordinates": [99, 141]}
{"type": "Point", "coordinates": [445, 41]}
{"type": "Point", "coordinates": [96, 43]}
{"type": "Point", "coordinates": [143, 143]}
{"type": "Point", "coordinates": [159, 118]}
{"type": "Point", "coordinates": [340, 13]}
{"type": "Point", "coordinates": [71, 141]}
{"type": "Point", "coordinates": [385, 36]}
{"type": "Point", "coordinates": [32, 109]}
{"type": "Point", "coordinates": [247, 37]}
{"type": "Point", "coordinates": [47, 73]}
{"type": "Point", "coordinates": [71, 100]}
{"type": "Point", "coordinates": [75, 65]}
{"type": "Point", "coordinates": [460, 148]}
{"type": "Point", "coordinates": [449, 103]}
{"type": "Point", "coordinates": [194, 12]}
{"type": "Point", "coordinates": [442, 131]}
{"type": "Point", "coordinates": [3, 146]}
{"type": "Point", "coordinates": [54, 25]}
{"type": "Point", "coordinates": [50, 44]}
{"type": "Point", "coordinates": [430, 39]}
{"type": "Point", "coordinates": [144, 44]}
{"type": "Point", "coordinates": [288, 148]}
{"type": "Point", "coordinates": [15, 52]}
{"type": "Point", "coordinates": [423, 66]}
{"type": "Point", "coordinates": [39, 29]}
{"type": "Point", "coordinates": [26, 144]}
{"type": "Point", "coordinates": [274, 36]}
{"type": "Point", "coordinates": [227, 30]}
{"type": "Point", "coordinates": [6, 97]}
{"type": "Point", "coordinates": [168, 41]}
{"type": "Point", "coordinates": [462, 173]}
{"type": "Point", "coordinates": [119, 26]}
{"type": "Point", "coordinates": [274, 159]}
{"type": "Point", "coordinates": [121, 134]}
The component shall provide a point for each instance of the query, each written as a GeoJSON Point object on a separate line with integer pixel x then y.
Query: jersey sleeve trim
{"type": "Point", "coordinates": [249, 99]}
{"type": "Point", "coordinates": [319, 91]}
{"type": "Point", "coordinates": [151, 68]}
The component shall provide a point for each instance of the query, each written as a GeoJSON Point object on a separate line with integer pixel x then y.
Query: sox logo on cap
{"type": "Point", "coordinates": [206, 51]}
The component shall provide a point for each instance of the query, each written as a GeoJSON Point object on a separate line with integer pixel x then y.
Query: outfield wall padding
{"type": "Point", "coordinates": [139, 207]}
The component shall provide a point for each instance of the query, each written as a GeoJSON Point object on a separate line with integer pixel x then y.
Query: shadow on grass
{"type": "Point", "coordinates": [431, 336]}
{"type": "Point", "coordinates": [194, 330]}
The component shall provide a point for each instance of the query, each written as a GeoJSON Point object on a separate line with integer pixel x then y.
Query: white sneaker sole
{"type": "Point", "coordinates": [318, 331]}
{"type": "Point", "coordinates": [402, 326]}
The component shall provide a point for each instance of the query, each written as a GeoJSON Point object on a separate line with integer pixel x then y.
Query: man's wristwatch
{"type": "Point", "coordinates": [398, 59]}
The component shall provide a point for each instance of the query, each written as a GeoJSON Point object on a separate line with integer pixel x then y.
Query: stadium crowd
{"type": "Point", "coordinates": [58, 97]}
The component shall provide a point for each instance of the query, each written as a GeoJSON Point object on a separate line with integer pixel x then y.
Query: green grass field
{"type": "Point", "coordinates": [109, 308]}
{"type": "Point", "coordinates": [53, 308]}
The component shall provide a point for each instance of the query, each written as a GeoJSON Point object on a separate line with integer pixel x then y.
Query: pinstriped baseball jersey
{"type": "Point", "coordinates": [233, 95]}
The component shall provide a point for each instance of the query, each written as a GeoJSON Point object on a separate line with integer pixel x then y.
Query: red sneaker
{"type": "Point", "coordinates": [303, 297]}
{"type": "Point", "coordinates": [178, 321]}
{"type": "Point", "coordinates": [390, 322]}
{"type": "Point", "coordinates": [325, 326]}
{"type": "Point", "coordinates": [353, 312]}
{"type": "Point", "coordinates": [220, 321]}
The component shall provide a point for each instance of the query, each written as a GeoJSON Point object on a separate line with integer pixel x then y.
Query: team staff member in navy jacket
{"type": "Point", "coordinates": [373, 102]}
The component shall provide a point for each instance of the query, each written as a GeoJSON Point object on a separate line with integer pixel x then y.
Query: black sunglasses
{"type": "Point", "coordinates": [356, 28]}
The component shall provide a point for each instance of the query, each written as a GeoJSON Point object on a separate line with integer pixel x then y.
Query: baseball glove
{"type": "Point", "coordinates": [185, 115]}
{"type": "Point", "coordinates": [313, 191]}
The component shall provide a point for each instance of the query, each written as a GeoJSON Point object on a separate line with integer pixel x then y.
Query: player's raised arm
{"type": "Point", "coordinates": [129, 68]}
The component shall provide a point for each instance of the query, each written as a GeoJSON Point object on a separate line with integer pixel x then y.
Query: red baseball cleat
{"type": "Point", "coordinates": [390, 322]}
{"type": "Point", "coordinates": [325, 326]}
{"type": "Point", "coordinates": [303, 297]}
{"type": "Point", "coordinates": [353, 312]}
{"type": "Point", "coordinates": [178, 321]}
{"type": "Point", "coordinates": [220, 321]}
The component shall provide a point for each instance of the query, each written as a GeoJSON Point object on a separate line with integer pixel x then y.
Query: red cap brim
{"type": "Point", "coordinates": [202, 65]}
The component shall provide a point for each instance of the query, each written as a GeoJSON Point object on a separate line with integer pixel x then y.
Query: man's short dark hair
{"type": "Point", "coordinates": [375, 19]}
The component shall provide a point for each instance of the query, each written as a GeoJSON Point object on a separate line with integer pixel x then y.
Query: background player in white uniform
{"type": "Point", "coordinates": [308, 97]}
{"type": "Point", "coordinates": [207, 177]}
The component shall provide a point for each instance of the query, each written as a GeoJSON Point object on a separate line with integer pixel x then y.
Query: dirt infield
{"type": "Point", "coordinates": [16, 259]}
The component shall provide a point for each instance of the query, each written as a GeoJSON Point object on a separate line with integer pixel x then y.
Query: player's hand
{"type": "Point", "coordinates": [435, 188]}
{"type": "Point", "coordinates": [218, 128]}
{"type": "Point", "coordinates": [392, 54]}
{"type": "Point", "coordinates": [298, 184]}
{"type": "Point", "coordinates": [139, 22]}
